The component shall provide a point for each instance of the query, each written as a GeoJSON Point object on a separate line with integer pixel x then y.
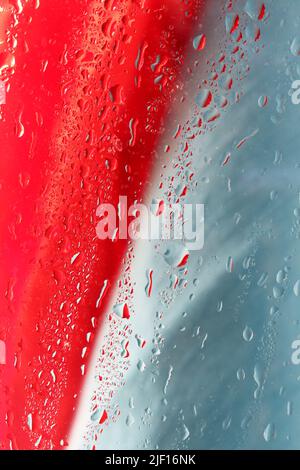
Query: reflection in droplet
{"type": "Point", "coordinates": [296, 288]}
{"type": "Point", "coordinates": [269, 432]}
{"type": "Point", "coordinates": [295, 47]}
{"type": "Point", "coordinates": [248, 334]}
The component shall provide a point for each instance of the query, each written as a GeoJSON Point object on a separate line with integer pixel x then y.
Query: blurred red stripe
{"type": "Point", "coordinates": [80, 84]}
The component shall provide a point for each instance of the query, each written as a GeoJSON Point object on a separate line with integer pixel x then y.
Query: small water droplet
{"type": "Point", "coordinates": [295, 47]}
{"type": "Point", "coordinates": [199, 42]}
{"type": "Point", "coordinates": [269, 432]}
{"type": "Point", "coordinates": [229, 265]}
{"type": "Point", "coordinates": [281, 276]}
{"type": "Point", "coordinates": [186, 433]}
{"type": "Point", "coordinates": [258, 377]}
{"type": "Point", "coordinates": [262, 101]}
{"type": "Point", "coordinates": [248, 334]}
{"type": "Point", "coordinates": [240, 374]}
{"type": "Point", "coordinates": [262, 280]}
{"type": "Point", "coordinates": [141, 365]}
{"type": "Point", "coordinates": [129, 420]}
{"type": "Point", "coordinates": [2, 352]}
{"type": "Point", "coordinates": [296, 288]}
{"type": "Point", "coordinates": [278, 292]}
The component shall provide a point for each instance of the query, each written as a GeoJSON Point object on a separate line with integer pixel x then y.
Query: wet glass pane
{"type": "Point", "coordinates": [149, 224]}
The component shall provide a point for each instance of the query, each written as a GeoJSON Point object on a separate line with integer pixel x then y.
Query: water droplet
{"type": "Point", "coordinates": [295, 47]}
{"type": "Point", "coordinates": [122, 310]}
{"type": "Point", "coordinates": [140, 341]}
{"type": "Point", "coordinates": [74, 257]}
{"type": "Point", "coordinates": [148, 288]}
{"type": "Point", "coordinates": [269, 432]}
{"type": "Point", "coordinates": [29, 421]}
{"type": "Point", "coordinates": [262, 280]}
{"type": "Point", "coordinates": [176, 255]}
{"type": "Point", "coordinates": [229, 265]}
{"type": "Point", "coordinates": [2, 352]}
{"type": "Point", "coordinates": [20, 130]}
{"type": "Point", "coordinates": [297, 212]}
{"type": "Point", "coordinates": [131, 403]}
{"type": "Point", "coordinates": [262, 101]}
{"type": "Point", "coordinates": [24, 179]}
{"type": "Point", "coordinates": [232, 21]}
{"type": "Point", "coordinates": [168, 379]}
{"type": "Point", "coordinates": [226, 423]}
{"type": "Point", "coordinates": [104, 417]}
{"type": "Point", "coordinates": [274, 310]}
{"type": "Point", "coordinates": [258, 377]}
{"type": "Point", "coordinates": [141, 365]}
{"type": "Point", "coordinates": [129, 420]}
{"type": "Point", "coordinates": [273, 195]}
{"type": "Point", "coordinates": [241, 374]}
{"type": "Point", "coordinates": [278, 292]}
{"type": "Point", "coordinates": [96, 415]}
{"type": "Point", "coordinates": [255, 10]}
{"type": "Point", "coordinates": [204, 98]}
{"type": "Point", "coordinates": [157, 206]}
{"type": "Point", "coordinates": [133, 123]}
{"type": "Point", "coordinates": [102, 293]}
{"type": "Point", "coordinates": [186, 433]}
{"type": "Point", "coordinates": [281, 276]}
{"type": "Point", "coordinates": [248, 334]}
{"type": "Point", "coordinates": [199, 42]}
{"type": "Point", "coordinates": [124, 351]}
{"type": "Point", "coordinates": [296, 288]}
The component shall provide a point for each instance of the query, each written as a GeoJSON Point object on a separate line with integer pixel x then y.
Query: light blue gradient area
{"type": "Point", "coordinates": [204, 403]}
